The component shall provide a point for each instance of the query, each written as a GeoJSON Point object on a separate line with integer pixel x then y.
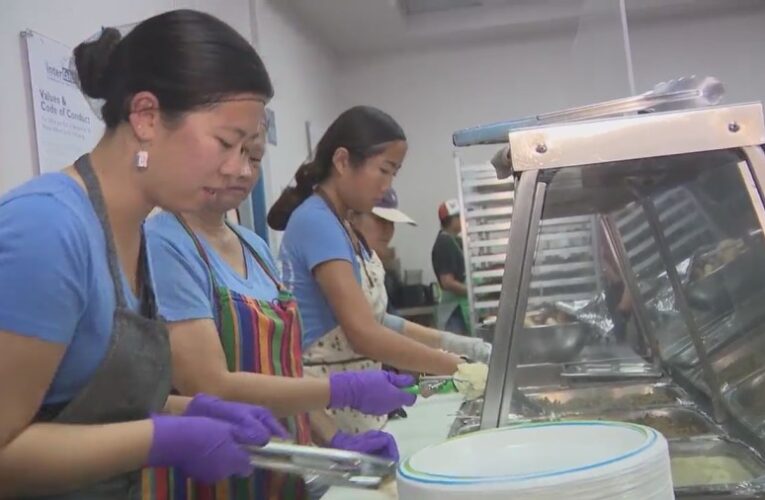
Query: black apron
{"type": "Point", "coordinates": [133, 380]}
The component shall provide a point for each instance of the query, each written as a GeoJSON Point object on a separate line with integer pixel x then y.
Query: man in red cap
{"type": "Point", "coordinates": [452, 313]}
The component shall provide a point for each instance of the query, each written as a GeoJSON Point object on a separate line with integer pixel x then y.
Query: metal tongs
{"type": "Point", "coordinates": [686, 92]}
{"type": "Point", "coordinates": [323, 466]}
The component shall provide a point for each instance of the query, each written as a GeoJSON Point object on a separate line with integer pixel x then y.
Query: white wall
{"type": "Point", "coordinates": [69, 22]}
{"type": "Point", "coordinates": [727, 46]}
{"type": "Point", "coordinates": [303, 73]}
{"type": "Point", "coordinates": [434, 92]}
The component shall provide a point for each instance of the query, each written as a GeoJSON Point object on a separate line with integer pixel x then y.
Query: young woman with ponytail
{"type": "Point", "coordinates": [341, 297]}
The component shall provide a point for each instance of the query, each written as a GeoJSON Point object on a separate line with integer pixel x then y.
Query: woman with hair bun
{"type": "Point", "coordinates": [84, 357]}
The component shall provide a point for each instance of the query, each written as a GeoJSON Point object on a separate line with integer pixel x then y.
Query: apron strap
{"type": "Point", "coordinates": [335, 363]}
{"type": "Point", "coordinates": [261, 262]}
{"type": "Point", "coordinates": [356, 248]}
{"type": "Point", "coordinates": [206, 258]}
{"type": "Point", "coordinates": [84, 168]}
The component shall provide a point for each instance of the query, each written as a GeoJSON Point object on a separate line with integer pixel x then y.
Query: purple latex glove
{"type": "Point", "coordinates": [374, 392]}
{"type": "Point", "coordinates": [377, 443]}
{"type": "Point", "coordinates": [204, 449]}
{"type": "Point", "coordinates": [251, 423]}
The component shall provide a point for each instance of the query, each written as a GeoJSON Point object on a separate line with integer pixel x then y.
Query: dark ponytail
{"type": "Point", "coordinates": [187, 59]}
{"type": "Point", "coordinates": [363, 130]}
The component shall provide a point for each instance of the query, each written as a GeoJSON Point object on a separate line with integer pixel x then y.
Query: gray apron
{"type": "Point", "coordinates": [133, 379]}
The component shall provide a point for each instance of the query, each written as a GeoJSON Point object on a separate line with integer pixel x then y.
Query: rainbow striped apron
{"type": "Point", "coordinates": [258, 336]}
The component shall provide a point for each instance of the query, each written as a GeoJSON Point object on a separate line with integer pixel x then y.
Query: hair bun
{"type": "Point", "coordinates": [91, 58]}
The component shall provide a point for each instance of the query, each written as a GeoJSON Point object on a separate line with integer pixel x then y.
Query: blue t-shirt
{"type": "Point", "coordinates": [54, 276]}
{"type": "Point", "coordinates": [313, 236]}
{"type": "Point", "coordinates": [181, 277]}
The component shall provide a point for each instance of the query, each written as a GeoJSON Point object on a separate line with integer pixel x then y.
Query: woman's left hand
{"type": "Point", "coordinates": [247, 419]}
{"type": "Point", "coordinates": [472, 348]}
{"type": "Point", "coordinates": [377, 443]}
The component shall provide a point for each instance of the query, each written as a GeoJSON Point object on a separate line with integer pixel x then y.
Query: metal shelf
{"type": "Point", "coordinates": [480, 198]}
{"type": "Point", "coordinates": [473, 183]}
{"type": "Point", "coordinates": [487, 221]}
{"type": "Point", "coordinates": [487, 212]}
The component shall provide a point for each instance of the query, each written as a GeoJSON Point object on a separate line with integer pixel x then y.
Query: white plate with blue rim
{"type": "Point", "coordinates": [535, 456]}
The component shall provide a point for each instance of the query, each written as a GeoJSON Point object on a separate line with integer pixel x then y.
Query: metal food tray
{"type": "Point", "coordinates": [678, 415]}
{"type": "Point", "coordinates": [747, 402]}
{"type": "Point", "coordinates": [682, 415]}
{"type": "Point", "coordinates": [610, 370]}
{"type": "Point", "coordinates": [747, 457]}
{"type": "Point", "coordinates": [323, 465]}
{"type": "Point", "coordinates": [713, 291]}
{"type": "Point", "coordinates": [716, 336]}
{"type": "Point", "coordinates": [552, 343]}
{"type": "Point", "coordinates": [610, 397]}
{"type": "Point", "coordinates": [738, 361]}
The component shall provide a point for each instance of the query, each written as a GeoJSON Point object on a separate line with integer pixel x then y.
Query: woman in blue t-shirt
{"type": "Point", "coordinates": [84, 358]}
{"type": "Point", "coordinates": [341, 297]}
{"type": "Point", "coordinates": [235, 333]}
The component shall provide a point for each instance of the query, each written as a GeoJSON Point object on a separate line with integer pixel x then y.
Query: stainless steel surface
{"type": "Point", "coordinates": [508, 313]}
{"type": "Point", "coordinates": [681, 93]}
{"type": "Point", "coordinates": [469, 279]}
{"type": "Point", "coordinates": [739, 361]}
{"type": "Point", "coordinates": [710, 448]}
{"type": "Point", "coordinates": [510, 387]}
{"type": "Point", "coordinates": [538, 376]}
{"type": "Point", "coordinates": [755, 157]}
{"type": "Point", "coordinates": [611, 370]}
{"type": "Point", "coordinates": [553, 343]}
{"type": "Point", "coordinates": [751, 188]}
{"type": "Point", "coordinates": [747, 400]}
{"type": "Point", "coordinates": [637, 136]}
{"type": "Point", "coordinates": [682, 304]}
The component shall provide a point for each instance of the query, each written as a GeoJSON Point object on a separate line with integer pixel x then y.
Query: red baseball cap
{"type": "Point", "coordinates": [448, 208]}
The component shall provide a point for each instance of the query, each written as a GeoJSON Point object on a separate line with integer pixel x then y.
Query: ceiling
{"type": "Point", "coordinates": [364, 27]}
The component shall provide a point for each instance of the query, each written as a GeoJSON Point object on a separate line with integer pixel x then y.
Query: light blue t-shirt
{"type": "Point", "coordinates": [54, 276]}
{"type": "Point", "coordinates": [181, 278]}
{"type": "Point", "coordinates": [313, 236]}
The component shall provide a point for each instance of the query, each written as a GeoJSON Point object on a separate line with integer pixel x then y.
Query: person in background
{"type": "Point", "coordinates": [325, 265]}
{"type": "Point", "coordinates": [452, 312]}
{"type": "Point", "coordinates": [618, 298]}
{"type": "Point", "coordinates": [378, 228]}
{"type": "Point", "coordinates": [235, 334]}
{"type": "Point", "coordinates": [84, 357]}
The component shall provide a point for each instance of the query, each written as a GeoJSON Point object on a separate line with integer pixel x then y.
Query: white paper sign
{"type": "Point", "coordinates": [65, 126]}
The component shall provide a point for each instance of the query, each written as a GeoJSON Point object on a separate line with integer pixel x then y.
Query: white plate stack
{"type": "Point", "coordinates": [572, 460]}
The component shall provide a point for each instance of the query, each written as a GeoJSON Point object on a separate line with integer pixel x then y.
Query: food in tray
{"type": "Point", "coordinates": [671, 428]}
{"type": "Point", "coordinates": [547, 316]}
{"type": "Point", "coordinates": [742, 368]}
{"type": "Point", "coordinates": [582, 403]}
{"type": "Point", "coordinates": [707, 470]}
{"type": "Point", "coordinates": [724, 253]}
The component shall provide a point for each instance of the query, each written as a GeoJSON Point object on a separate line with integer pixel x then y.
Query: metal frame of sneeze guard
{"type": "Point", "coordinates": [637, 136]}
{"type": "Point", "coordinates": [555, 146]}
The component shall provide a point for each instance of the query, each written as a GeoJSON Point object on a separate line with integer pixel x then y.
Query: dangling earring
{"type": "Point", "coordinates": [142, 159]}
